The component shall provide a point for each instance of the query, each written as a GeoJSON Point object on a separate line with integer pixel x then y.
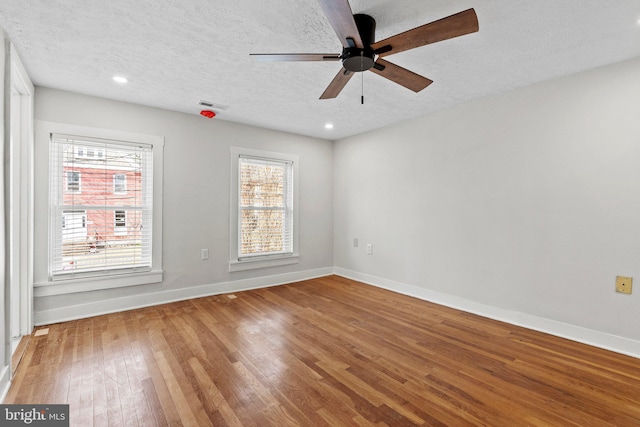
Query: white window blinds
{"type": "Point", "coordinates": [265, 202]}
{"type": "Point", "coordinates": [96, 226]}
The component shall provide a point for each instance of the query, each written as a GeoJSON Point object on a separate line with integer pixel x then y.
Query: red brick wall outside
{"type": "Point", "coordinates": [97, 189]}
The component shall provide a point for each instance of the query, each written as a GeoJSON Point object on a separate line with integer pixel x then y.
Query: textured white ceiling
{"type": "Point", "coordinates": [178, 53]}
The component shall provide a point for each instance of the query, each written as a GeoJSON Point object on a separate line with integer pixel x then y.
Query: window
{"type": "Point", "coordinates": [265, 207]}
{"type": "Point", "coordinates": [74, 226]}
{"type": "Point", "coordinates": [120, 223]}
{"type": "Point", "coordinates": [119, 183]}
{"type": "Point", "coordinates": [73, 182]}
{"type": "Point", "coordinates": [89, 153]}
{"type": "Point", "coordinates": [96, 232]}
{"type": "Point", "coordinates": [264, 214]}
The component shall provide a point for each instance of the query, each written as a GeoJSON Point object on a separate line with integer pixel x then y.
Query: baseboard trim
{"type": "Point", "coordinates": [64, 314]}
{"type": "Point", "coordinates": [599, 339]}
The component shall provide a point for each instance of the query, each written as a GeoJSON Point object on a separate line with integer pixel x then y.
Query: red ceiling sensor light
{"type": "Point", "coordinates": [208, 114]}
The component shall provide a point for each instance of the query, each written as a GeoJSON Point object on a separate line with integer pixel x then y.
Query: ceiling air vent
{"type": "Point", "coordinates": [213, 105]}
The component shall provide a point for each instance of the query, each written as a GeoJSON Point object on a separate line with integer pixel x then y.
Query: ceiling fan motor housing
{"type": "Point", "coordinates": [354, 58]}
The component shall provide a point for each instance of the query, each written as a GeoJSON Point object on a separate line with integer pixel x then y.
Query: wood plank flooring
{"type": "Point", "coordinates": [323, 352]}
{"type": "Point", "coordinates": [16, 357]}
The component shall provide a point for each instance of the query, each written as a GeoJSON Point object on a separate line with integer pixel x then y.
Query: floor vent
{"type": "Point", "coordinates": [40, 332]}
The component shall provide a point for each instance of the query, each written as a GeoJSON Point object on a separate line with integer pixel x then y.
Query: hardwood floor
{"type": "Point", "coordinates": [16, 357]}
{"type": "Point", "coordinates": [324, 352]}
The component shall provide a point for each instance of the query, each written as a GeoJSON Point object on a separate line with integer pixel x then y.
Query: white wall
{"type": "Point", "coordinates": [196, 202]}
{"type": "Point", "coordinates": [524, 205]}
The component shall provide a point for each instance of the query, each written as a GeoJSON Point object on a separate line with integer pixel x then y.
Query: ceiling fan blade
{"type": "Point", "coordinates": [337, 84]}
{"type": "Point", "coordinates": [400, 75]}
{"type": "Point", "coordinates": [341, 18]}
{"type": "Point", "coordinates": [443, 29]}
{"type": "Point", "coordinates": [272, 57]}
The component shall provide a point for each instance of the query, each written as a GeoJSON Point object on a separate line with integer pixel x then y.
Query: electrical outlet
{"type": "Point", "coordinates": [623, 284]}
{"type": "Point", "coordinates": [369, 249]}
{"type": "Point", "coordinates": [205, 254]}
{"type": "Point", "coordinates": [355, 242]}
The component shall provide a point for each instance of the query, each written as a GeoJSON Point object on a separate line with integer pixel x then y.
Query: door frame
{"type": "Point", "coordinates": [20, 202]}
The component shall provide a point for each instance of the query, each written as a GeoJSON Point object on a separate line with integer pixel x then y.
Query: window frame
{"type": "Point", "coordinates": [44, 283]}
{"type": "Point", "coordinates": [236, 262]}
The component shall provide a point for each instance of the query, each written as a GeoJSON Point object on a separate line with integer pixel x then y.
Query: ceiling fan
{"type": "Point", "coordinates": [360, 52]}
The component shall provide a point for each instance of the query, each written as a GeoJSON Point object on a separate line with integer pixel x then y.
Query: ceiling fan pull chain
{"type": "Point", "coordinates": [362, 78]}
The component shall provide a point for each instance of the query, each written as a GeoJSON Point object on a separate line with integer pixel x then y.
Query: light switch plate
{"type": "Point", "coordinates": [623, 284]}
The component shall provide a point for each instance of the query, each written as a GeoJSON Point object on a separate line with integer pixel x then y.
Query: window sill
{"type": "Point", "coordinates": [86, 284]}
{"type": "Point", "coordinates": [251, 264]}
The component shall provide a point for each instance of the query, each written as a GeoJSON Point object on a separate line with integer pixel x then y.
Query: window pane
{"type": "Point", "coordinates": [262, 231]}
{"type": "Point", "coordinates": [92, 237]}
{"type": "Point", "coordinates": [262, 184]}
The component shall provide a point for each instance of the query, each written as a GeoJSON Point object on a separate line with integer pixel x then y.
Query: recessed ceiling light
{"type": "Point", "coordinates": [120, 79]}
{"type": "Point", "coordinates": [328, 126]}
